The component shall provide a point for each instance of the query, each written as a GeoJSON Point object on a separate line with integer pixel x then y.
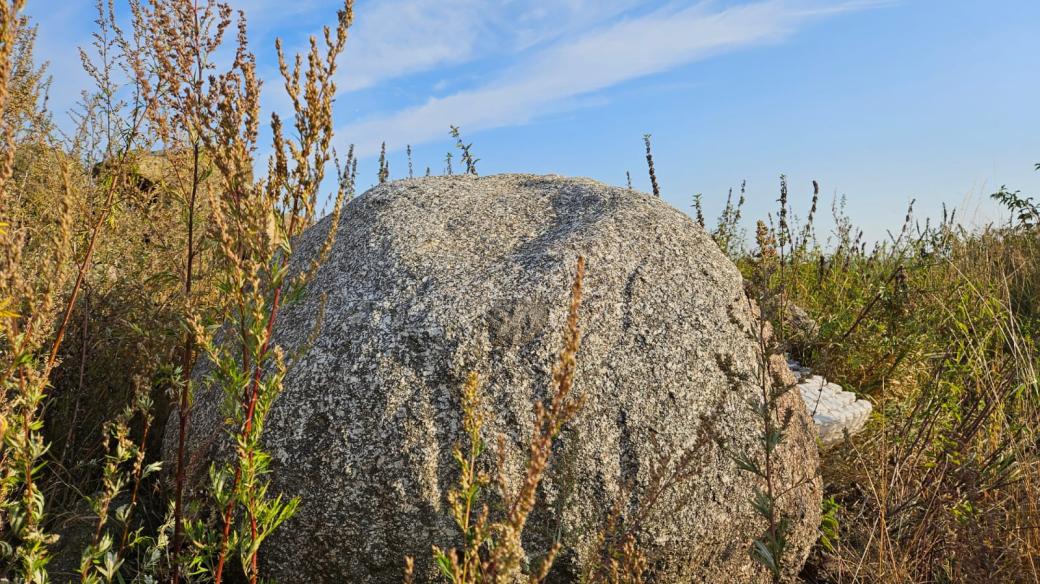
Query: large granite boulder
{"type": "Point", "coordinates": [433, 278]}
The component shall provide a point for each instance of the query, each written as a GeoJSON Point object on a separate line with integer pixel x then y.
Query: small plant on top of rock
{"type": "Point", "coordinates": [467, 155]}
{"type": "Point", "coordinates": [650, 166]}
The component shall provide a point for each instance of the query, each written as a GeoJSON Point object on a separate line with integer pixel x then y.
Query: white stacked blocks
{"type": "Point", "coordinates": [834, 410]}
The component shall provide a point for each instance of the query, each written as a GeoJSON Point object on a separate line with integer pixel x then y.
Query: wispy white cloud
{"type": "Point", "coordinates": [400, 37]}
{"type": "Point", "coordinates": [627, 49]}
{"type": "Point", "coordinates": [395, 38]}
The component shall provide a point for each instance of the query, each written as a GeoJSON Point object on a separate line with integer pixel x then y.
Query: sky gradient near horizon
{"type": "Point", "coordinates": [879, 100]}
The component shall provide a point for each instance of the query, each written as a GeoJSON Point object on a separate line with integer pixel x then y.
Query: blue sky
{"type": "Point", "coordinates": [879, 100]}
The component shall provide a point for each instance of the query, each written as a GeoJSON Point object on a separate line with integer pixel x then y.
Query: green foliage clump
{"type": "Point", "coordinates": [937, 326]}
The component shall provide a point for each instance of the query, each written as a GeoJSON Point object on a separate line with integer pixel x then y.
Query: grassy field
{"type": "Point", "coordinates": [125, 244]}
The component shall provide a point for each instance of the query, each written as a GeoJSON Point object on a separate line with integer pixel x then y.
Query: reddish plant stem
{"type": "Point", "coordinates": [95, 231]}
{"type": "Point", "coordinates": [189, 344]}
{"type": "Point", "coordinates": [187, 359]}
{"type": "Point", "coordinates": [247, 427]}
{"type": "Point", "coordinates": [83, 267]}
{"type": "Point", "coordinates": [80, 276]}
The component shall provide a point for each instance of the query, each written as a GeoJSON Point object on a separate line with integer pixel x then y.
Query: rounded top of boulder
{"type": "Point", "coordinates": [487, 219]}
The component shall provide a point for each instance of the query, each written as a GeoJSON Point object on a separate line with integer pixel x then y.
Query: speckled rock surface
{"type": "Point", "coordinates": [432, 278]}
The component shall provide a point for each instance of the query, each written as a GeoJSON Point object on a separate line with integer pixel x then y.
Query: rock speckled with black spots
{"type": "Point", "coordinates": [433, 278]}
